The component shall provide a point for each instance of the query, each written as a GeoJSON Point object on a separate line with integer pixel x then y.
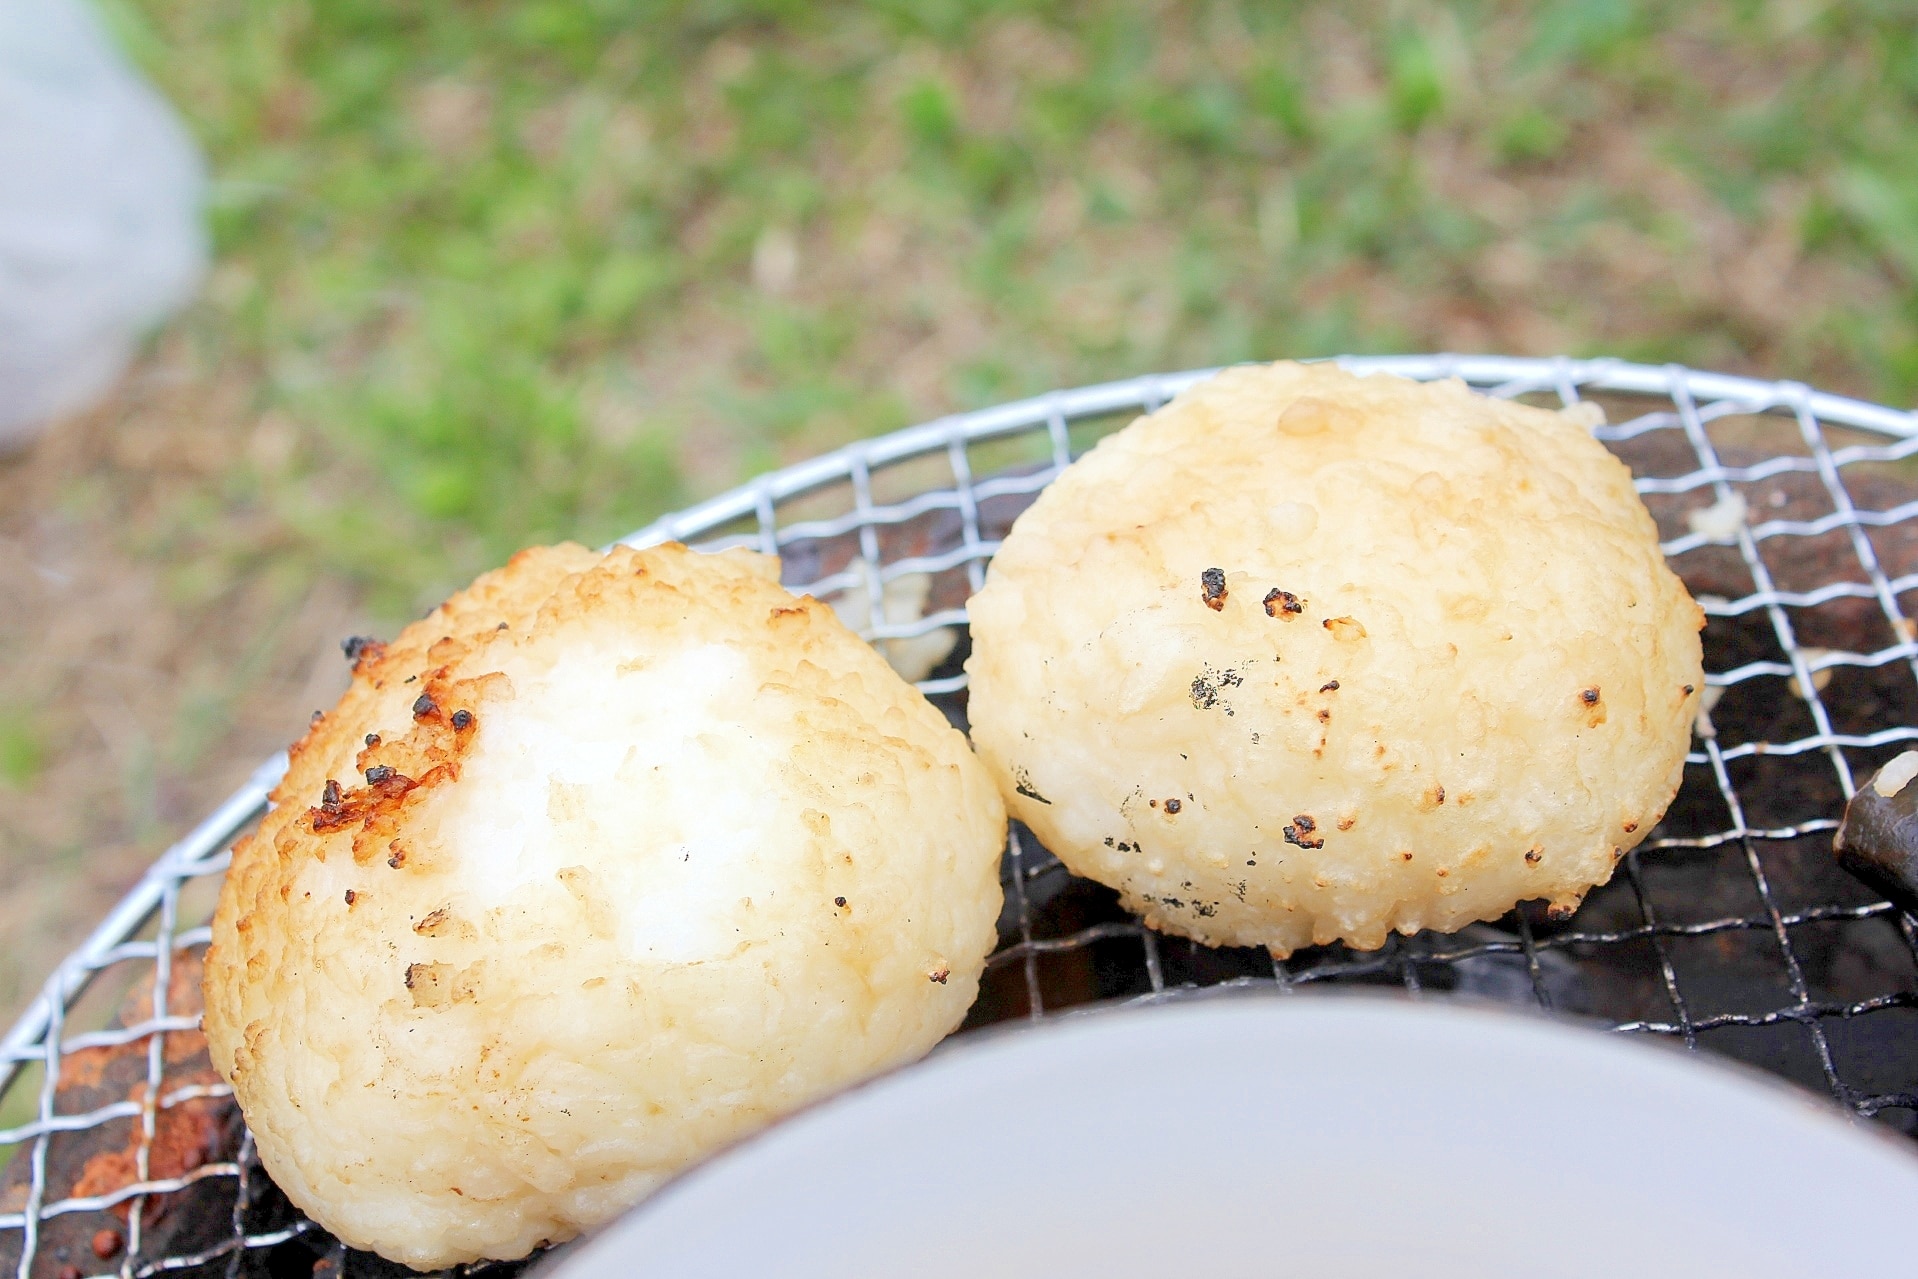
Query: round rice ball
{"type": "Point", "coordinates": [1305, 657]}
{"type": "Point", "coordinates": [608, 862]}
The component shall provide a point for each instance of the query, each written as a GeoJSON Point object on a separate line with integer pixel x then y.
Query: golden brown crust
{"type": "Point", "coordinates": [600, 864]}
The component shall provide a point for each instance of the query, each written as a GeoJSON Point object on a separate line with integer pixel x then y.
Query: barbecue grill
{"type": "Point", "coordinates": [1788, 512]}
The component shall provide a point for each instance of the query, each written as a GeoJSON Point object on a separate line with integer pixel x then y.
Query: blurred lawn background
{"type": "Point", "coordinates": [490, 274]}
{"type": "Point", "coordinates": [544, 268]}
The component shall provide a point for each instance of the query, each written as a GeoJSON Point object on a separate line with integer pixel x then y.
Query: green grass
{"type": "Point", "coordinates": [18, 1106]}
{"type": "Point", "coordinates": [22, 750]}
{"type": "Point", "coordinates": [518, 271]}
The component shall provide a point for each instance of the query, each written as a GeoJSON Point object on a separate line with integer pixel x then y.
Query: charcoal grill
{"type": "Point", "coordinates": [1730, 929]}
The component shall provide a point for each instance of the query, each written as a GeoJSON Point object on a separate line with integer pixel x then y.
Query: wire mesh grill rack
{"type": "Point", "coordinates": [1788, 512]}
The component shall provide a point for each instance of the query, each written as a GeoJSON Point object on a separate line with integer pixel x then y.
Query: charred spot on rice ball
{"type": "Point", "coordinates": [556, 900]}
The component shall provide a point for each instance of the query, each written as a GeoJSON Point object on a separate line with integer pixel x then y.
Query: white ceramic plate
{"type": "Point", "coordinates": [1270, 1136]}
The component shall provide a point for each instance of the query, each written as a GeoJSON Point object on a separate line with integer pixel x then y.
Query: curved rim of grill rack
{"type": "Point", "coordinates": [1683, 400]}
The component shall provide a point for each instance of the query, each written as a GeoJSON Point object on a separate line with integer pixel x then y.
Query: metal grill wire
{"type": "Point", "coordinates": [1671, 399]}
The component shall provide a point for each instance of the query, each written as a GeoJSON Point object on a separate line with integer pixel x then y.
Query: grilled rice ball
{"type": "Point", "coordinates": [1305, 657]}
{"type": "Point", "coordinates": [606, 863]}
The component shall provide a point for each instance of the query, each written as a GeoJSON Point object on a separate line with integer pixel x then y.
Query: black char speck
{"type": "Point", "coordinates": [354, 645]}
{"type": "Point", "coordinates": [1282, 604]}
{"type": "Point", "coordinates": [1299, 832]}
{"type": "Point", "coordinates": [1207, 684]}
{"type": "Point", "coordinates": [1212, 588]}
{"type": "Point", "coordinates": [1022, 782]}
